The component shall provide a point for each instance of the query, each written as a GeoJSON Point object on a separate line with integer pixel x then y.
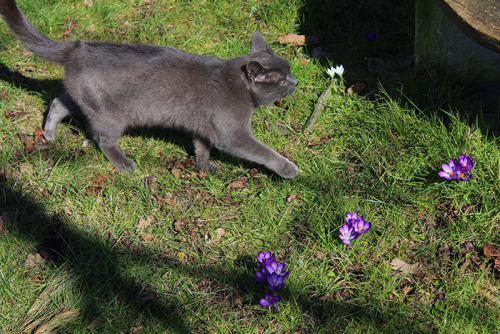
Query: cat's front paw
{"type": "Point", "coordinates": [289, 171]}
{"type": "Point", "coordinates": [49, 134]}
{"type": "Point", "coordinates": [208, 167]}
{"type": "Point", "coordinates": [126, 166]}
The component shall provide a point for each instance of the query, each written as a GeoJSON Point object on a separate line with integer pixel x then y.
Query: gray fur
{"type": "Point", "coordinates": [117, 86]}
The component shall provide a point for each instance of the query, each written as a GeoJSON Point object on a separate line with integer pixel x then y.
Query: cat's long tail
{"type": "Point", "coordinates": [33, 39]}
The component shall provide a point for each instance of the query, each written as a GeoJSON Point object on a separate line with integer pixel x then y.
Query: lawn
{"type": "Point", "coordinates": [167, 249]}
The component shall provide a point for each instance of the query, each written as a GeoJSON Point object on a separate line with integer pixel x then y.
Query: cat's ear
{"type": "Point", "coordinates": [259, 44]}
{"type": "Point", "coordinates": [259, 74]}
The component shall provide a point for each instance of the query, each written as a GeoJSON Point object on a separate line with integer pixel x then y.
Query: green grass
{"type": "Point", "coordinates": [120, 253]}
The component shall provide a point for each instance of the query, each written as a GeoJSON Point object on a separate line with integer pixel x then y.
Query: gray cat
{"type": "Point", "coordinates": [118, 86]}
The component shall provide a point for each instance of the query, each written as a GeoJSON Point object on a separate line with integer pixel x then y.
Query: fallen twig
{"type": "Point", "coordinates": [214, 219]}
{"type": "Point", "coordinates": [318, 108]}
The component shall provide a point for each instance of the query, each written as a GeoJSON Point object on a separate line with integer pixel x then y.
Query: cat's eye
{"type": "Point", "coordinates": [283, 82]}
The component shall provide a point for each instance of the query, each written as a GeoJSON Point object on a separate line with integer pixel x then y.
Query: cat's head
{"type": "Point", "coordinates": [268, 74]}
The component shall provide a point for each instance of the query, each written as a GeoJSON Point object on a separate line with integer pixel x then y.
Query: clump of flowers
{"type": "Point", "coordinates": [457, 171]}
{"type": "Point", "coordinates": [332, 71]}
{"type": "Point", "coordinates": [272, 274]}
{"type": "Point", "coordinates": [354, 227]}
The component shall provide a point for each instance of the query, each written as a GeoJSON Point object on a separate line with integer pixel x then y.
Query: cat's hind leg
{"type": "Point", "coordinates": [60, 108]}
{"type": "Point", "coordinates": [202, 154]}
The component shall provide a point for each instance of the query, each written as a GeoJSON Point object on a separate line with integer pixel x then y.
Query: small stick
{"type": "Point", "coordinates": [214, 219]}
{"type": "Point", "coordinates": [318, 108]}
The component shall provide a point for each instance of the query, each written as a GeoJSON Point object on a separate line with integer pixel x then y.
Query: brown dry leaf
{"type": "Point", "coordinates": [176, 172]}
{"type": "Point", "coordinates": [24, 167]}
{"type": "Point", "coordinates": [321, 142]}
{"type": "Point", "coordinates": [238, 183]}
{"type": "Point", "coordinates": [3, 227]}
{"type": "Point", "coordinates": [68, 30]}
{"type": "Point", "coordinates": [404, 267]}
{"type": "Point", "coordinates": [39, 136]}
{"type": "Point", "coordinates": [491, 251]}
{"type": "Point", "coordinates": [292, 197]}
{"type": "Point", "coordinates": [14, 114]}
{"type": "Point", "coordinates": [68, 211]}
{"type": "Point", "coordinates": [34, 260]}
{"type": "Point", "coordinates": [407, 289]}
{"type": "Point", "coordinates": [144, 224]}
{"type": "Point", "coordinates": [303, 62]}
{"type": "Point", "coordinates": [215, 236]}
{"type": "Point", "coordinates": [253, 172]}
{"type": "Point", "coordinates": [147, 236]}
{"type": "Point", "coordinates": [135, 330]}
{"type": "Point", "coordinates": [178, 223]}
{"type": "Point", "coordinates": [45, 193]}
{"type": "Point", "coordinates": [29, 145]}
{"type": "Point", "coordinates": [356, 88]}
{"type": "Point", "coordinates": [5, 224]}
{"type": "Point", "coordinates": [298, 39]}
{"type": "Point", "coordinates": [179, 167]}
{"type": "Point", "coordinates": [99, 181]}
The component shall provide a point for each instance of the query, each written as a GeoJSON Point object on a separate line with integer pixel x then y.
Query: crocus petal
{"type": "Point", "coordinates": [446, 168]}
{"type": "Point", "coordinates": [444, 175]}
{"type": "Point", "coordinates": [367, 227]}
{"type": "Point", "coordinates": [264, 303]}
{"type": "Point", "coordinates": [344, 240]}
{"type": "Point", "coordinates": [350, 218]}
{"type": "Point", "coordinates": [339, 70]}
{"type": "Point", "coordinates": [331, 72]}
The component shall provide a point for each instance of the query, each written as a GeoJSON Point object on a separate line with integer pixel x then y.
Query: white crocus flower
{"type": "Point", "coordinates": [331, 72]}
{"type": "Point", "coordinates": [335, 70]}
{"type": "Point", "coordinates": [339, 70]}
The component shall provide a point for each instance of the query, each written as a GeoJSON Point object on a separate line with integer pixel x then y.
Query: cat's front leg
{"type": "Point", "coordinates": [245, 146]}
{"type": "Point", "coordinates": [106, 133]}
{"type": "Point", "coordinates": [116, 157]}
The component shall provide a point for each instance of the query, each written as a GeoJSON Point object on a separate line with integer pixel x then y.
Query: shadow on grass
{"type": "Point", "coordinates": [48, 89]}
{"type": "Point", "coordinates": [388, 60]}
{"type": "Point", "coordinates": [96, 263]}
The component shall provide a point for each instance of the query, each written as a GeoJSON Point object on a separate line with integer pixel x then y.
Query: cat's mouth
{"type": "Point", "coordinates": [291, 91]}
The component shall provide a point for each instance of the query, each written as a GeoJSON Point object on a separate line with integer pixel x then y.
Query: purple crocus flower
{"type": "Point", "coordinates": [274, 267]}
{"type": "Point", "coordinates": [274, 281]}
{"type": "Point", "coordinates": [265, 258]}
{"type": "Point", "coordinates": [370, 36]}
{"type": "Point", "coordinates": [350, 218]}
{"type": "Point", "coordinates": [260, 276]}
{"type": "Point", "coordinates": [361, 227]}
{"type": "Point", "coordinates": [450, 171]}
{"type": "Point", "coordinates": [466, 163]}
{"type": "Point", "coordinates": [347, 234]}
{"type": "Point", "coordinates": [270, 299]}
{"type": "Point", "coordinates": [463, 176]}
